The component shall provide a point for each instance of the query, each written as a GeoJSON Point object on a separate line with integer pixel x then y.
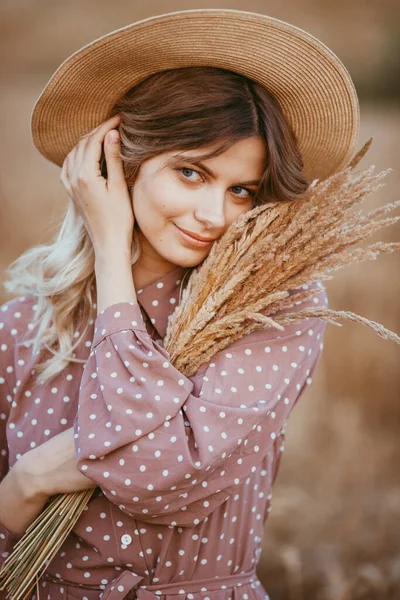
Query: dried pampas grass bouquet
{"type": "Point", "coordinates": [232, 293]}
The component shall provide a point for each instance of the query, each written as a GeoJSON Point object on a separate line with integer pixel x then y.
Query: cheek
{"type": "Point", "coordinates": [234, 211]}
{"type": "Point", "coordinates": [157, 201]}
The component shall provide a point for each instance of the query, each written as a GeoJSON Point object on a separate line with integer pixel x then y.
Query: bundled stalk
{"type": "Point", "coordinates": [41, 542]}
{"type": "Point", "coordinates": [243, 285]}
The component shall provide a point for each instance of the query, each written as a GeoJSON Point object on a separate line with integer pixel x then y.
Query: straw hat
{"type": "Point", "coordinates": [314, 88]}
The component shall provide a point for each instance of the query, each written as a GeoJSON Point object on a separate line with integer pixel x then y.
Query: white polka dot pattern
{"type": "Point", "coordinates": [185, 466]}
{"type": "Point", "coordinates": [172, 437]}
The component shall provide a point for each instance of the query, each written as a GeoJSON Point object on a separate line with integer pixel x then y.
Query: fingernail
{"type": "Point", "coordinates": [113, 137]}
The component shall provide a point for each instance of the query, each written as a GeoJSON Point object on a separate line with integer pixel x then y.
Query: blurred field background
{"type": "Point", "coordinates": [334, 529]}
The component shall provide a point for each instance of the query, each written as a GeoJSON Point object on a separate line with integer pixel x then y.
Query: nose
{"type": "Point", "coordinates": [211, 209]}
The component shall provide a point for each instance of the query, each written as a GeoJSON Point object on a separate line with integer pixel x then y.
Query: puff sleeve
{"type": "Point", "coordinates": [167, 448]}
{"type": "Point", "coordinates": [10, 317]}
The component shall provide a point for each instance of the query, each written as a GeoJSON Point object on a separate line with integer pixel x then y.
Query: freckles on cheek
{"type": "Point", "coordinates": [165, 200]}
{"type": "Point", "coordinates": [174, 199]}
{"type": "Point", "coordinates": [157, 204]}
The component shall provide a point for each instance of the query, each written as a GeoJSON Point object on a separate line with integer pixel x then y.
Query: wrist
{"type": "Point", "coordinates": [20, 502]}
{"type": "Point", "coordinates": [28, 481]}
{"type": "Point", "coordinates": [114, 278]}
{"type": "Point", "coordinates": [114, 250]}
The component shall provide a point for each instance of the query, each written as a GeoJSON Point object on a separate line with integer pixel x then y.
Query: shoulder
{"type": "Point", "coordinates": [292, 330]}
{"type": "Point", "coordinates": [16, 317]}
{"type": "Point", "coordinates": [318, 297]}
{"type": "Point", "coordinates": [298, 341]}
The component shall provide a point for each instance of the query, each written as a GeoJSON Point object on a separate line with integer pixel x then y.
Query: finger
{"type": "Point", "coordinates": [103, 125]}
{"type": "Point", "coordinates": [72, 168]}
{"type": "Point", "coordinates": [96, 139]}
{"type": "Point", "coordinates": [99, 131]}
{"type": "Point", "coordinates": [79, 156]}
{"type": "Point", "coordinates": [64, 178]}
{"type": "Point", "coordinates": [115, 170]}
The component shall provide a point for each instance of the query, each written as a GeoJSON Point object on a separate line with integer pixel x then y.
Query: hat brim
{"type": "Point", "coordinates": [312, 85]}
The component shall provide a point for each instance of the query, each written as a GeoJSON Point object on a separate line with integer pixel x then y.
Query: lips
{"type": "Point", "coordinates": [197, 236]}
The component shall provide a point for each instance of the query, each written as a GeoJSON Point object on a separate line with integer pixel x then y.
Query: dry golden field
{"type": "Point", "coordinates": [334, 529]}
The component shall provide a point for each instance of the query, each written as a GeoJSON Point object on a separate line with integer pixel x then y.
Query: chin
{"type": "Point", "coordinates": [189, 262]}
{"type": "Point", "coordinates": [186, 258]}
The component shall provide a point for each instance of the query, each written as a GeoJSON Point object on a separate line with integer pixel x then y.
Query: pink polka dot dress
{"type": "Point", "coordinates": [184, 465]}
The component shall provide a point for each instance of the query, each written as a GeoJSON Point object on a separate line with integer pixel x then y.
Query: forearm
{"type": "Point", "coordinates": [52, 466]}
{"type": "Point", "coordinates": [19, 503]}
{"type": "Point", "coordinates": [114, 280]}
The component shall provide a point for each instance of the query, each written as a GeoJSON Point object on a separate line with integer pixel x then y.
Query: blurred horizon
{"type": "Point", "coordinates": [367, 42]}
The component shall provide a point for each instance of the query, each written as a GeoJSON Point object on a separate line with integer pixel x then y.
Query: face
{"type": "Point", "coordinates": [201, 199]}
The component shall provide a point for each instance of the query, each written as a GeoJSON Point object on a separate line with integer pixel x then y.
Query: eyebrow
{"type": "Point", "coordinates": [195, 161]}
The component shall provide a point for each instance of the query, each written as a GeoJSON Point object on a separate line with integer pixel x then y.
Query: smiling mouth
{"type": "Point", "coordinates": [199, 243]}
{"type": "Point", "coordinates": [197, 236]}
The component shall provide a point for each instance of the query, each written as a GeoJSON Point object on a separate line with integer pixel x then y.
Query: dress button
{"type": "Point", "coordinates": [126, 539]}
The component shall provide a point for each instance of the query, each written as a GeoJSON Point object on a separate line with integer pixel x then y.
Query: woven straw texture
{"type": "Point", "coordinates": [312, 85]}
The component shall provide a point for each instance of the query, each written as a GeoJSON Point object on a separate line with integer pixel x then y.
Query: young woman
{"type": "Point", "coordinates": [89, 398]}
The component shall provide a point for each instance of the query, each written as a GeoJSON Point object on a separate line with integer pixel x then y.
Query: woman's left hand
{"type": "Point", "coordinates": [104, 204]}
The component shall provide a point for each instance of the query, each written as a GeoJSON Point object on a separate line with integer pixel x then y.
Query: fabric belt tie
{"type": "Point", "coordinates": [126, 581]}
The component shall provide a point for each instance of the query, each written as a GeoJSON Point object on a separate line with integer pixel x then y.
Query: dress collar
{"type": "Point", "coordinates": [159, 299]}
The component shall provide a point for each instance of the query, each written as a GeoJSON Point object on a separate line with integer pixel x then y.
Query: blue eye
{"type": "Point", "coordinates": [187, 169]}
{"type": "Point", "coordinates": [250, 193]}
